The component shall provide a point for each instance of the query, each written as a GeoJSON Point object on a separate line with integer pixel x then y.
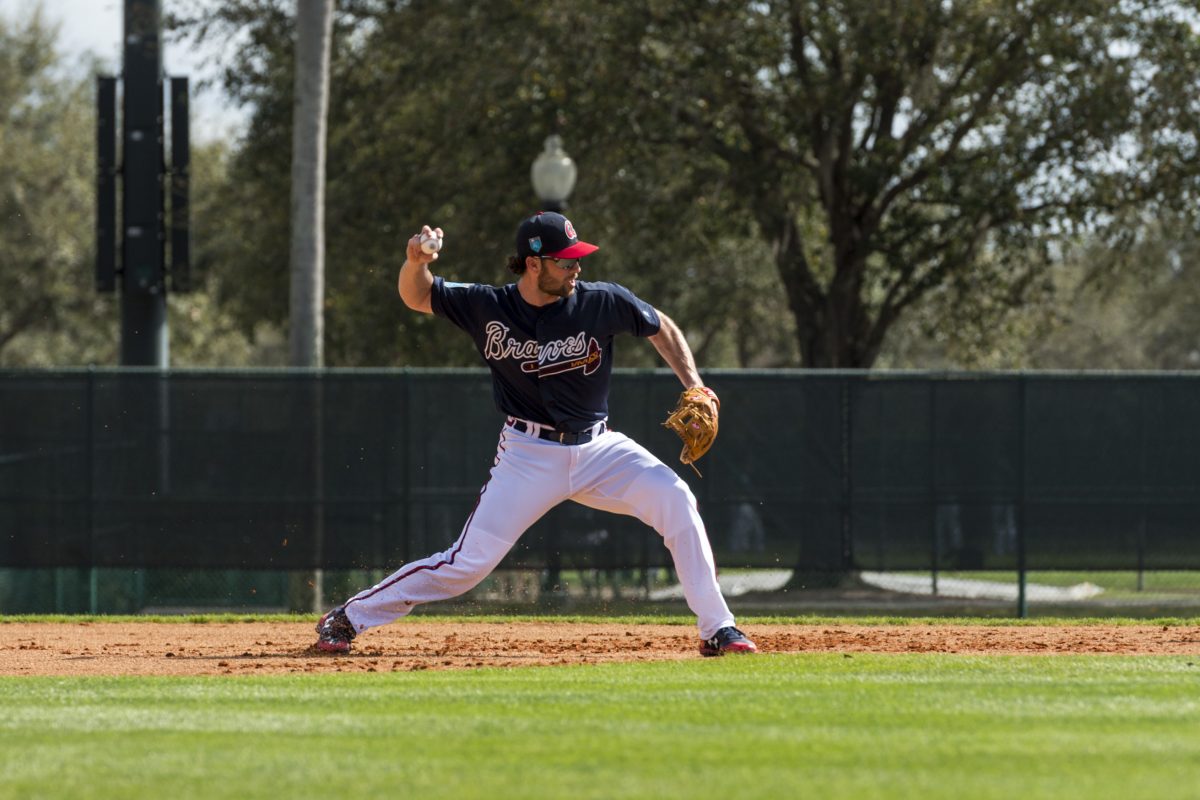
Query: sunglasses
{"type": "Point", "coordinates": [566, 265]}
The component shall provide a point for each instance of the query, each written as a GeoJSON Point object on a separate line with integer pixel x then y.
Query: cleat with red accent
{"type": "Point", "coordinates": [334, 632]}
{"type": "Point", "coordinates": [727, 640]}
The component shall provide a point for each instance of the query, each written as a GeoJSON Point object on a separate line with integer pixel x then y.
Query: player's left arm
{"type": "Point", "coordinates": [673, 347]}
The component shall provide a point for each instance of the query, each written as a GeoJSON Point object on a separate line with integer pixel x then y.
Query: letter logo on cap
{"type": "Point", "coordinates": [569, 229]}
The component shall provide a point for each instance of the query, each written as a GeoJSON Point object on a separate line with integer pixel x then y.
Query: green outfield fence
{"type": "Point", "coordinates": [266, 472]}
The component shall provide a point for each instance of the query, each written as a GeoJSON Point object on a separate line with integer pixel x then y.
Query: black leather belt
{"type": "Point", "coordinates": [562, 437]}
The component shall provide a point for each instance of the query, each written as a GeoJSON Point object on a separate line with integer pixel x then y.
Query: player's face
{"type": "Point", "coordinates": [557, 276]}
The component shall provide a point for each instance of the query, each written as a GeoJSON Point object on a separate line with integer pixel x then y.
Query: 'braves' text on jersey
{"type": "Point", "coordinates": [550, 364]}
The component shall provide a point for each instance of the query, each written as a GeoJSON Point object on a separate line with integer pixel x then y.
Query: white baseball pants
{"type": "Point", "coordinates": [530, 476]}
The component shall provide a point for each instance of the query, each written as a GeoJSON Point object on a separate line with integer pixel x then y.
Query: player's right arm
{"type": "Point", "coordinates": [416, 281]}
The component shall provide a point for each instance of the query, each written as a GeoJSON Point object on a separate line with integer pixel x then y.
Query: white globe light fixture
{"type": "Point", "coordinates": [553, 175]}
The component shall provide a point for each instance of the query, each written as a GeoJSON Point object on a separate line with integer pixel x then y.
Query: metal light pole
{"type": "Point", "coordinates": [553, 175]}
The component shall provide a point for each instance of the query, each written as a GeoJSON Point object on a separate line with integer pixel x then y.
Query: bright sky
{"type": "Point", "coordinates": [96, 26]}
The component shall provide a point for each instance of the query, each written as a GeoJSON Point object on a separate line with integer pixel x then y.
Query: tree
{"type": "Point", "coordinates": [204, 330]}
{"type": "Point", "coordinates": [314, 23]}
{"type": "Point", "coordinates": [883, 157]}
{"type": "Point", "coordinates": [1134, 310]}
{"type": "Point", "coordinates": [441, 128]}
{"type": "Point", "coordinates": [49, 312]}
{"type": "Point", "coordinates": [933, 142]}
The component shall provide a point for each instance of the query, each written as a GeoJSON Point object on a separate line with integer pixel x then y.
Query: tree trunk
{"type": "Point", "coordinates": [314, 32]}
{"type": "Point", "coordinates": [310, 108]}
{"type": "Point", "coordinates": [820, 315]}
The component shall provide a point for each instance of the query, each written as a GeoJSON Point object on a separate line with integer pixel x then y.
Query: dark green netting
{"type": "Point", "coordinates": [347, 469]}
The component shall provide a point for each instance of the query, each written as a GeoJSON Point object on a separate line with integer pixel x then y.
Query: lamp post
{"type": "Point", "coordinates": [553, 175]}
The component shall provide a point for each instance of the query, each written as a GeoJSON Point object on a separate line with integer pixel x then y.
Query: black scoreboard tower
{"type": "Point", "coordinates": [131, 246]}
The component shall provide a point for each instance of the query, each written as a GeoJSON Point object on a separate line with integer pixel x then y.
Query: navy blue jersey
{"type": "Point", "coordinates": [550, 364]}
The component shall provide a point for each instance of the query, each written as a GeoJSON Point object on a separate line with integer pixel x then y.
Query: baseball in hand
{"type": "Point", "coordinates": [430, 243]}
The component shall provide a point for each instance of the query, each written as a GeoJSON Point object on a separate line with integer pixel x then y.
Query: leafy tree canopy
{"type": "Point", "coordinates": [789, 179]}
{"type": "Point", "coordinates": [48, 311]}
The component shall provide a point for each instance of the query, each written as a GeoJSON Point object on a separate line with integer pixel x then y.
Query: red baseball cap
{"type": "Point", "coordinates": [550, 235]}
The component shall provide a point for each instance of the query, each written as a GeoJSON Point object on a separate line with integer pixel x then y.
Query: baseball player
{"type": "Point", "coordinates": [548, 341]}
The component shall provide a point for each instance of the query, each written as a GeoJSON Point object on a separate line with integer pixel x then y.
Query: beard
{"type": "Point", "coordinates": [546, 284]}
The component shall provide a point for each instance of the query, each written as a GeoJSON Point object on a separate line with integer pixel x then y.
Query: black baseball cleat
{"type": "Point", "coordinates": [334, 632]}
{"type": "Point", "coordinates": [727, 640]}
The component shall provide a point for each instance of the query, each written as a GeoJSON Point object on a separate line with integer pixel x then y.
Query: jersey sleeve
{"type": "Point", "coordinates": [457, 302]}
{"type": "Point", "coordinates": [638, 317]}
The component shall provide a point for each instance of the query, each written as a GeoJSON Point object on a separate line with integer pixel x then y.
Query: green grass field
{"type": "Point", "coordinates": [1116, 584]}
{"type": "Point", "coordinates": [795, 726]}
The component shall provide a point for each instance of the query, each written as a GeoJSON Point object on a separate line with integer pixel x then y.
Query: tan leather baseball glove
{"type": "Point", "coordinates": [694, 420]}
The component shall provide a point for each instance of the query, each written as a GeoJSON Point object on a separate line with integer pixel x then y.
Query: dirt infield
{"type": "Point", "coordinates": [103, 648]}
